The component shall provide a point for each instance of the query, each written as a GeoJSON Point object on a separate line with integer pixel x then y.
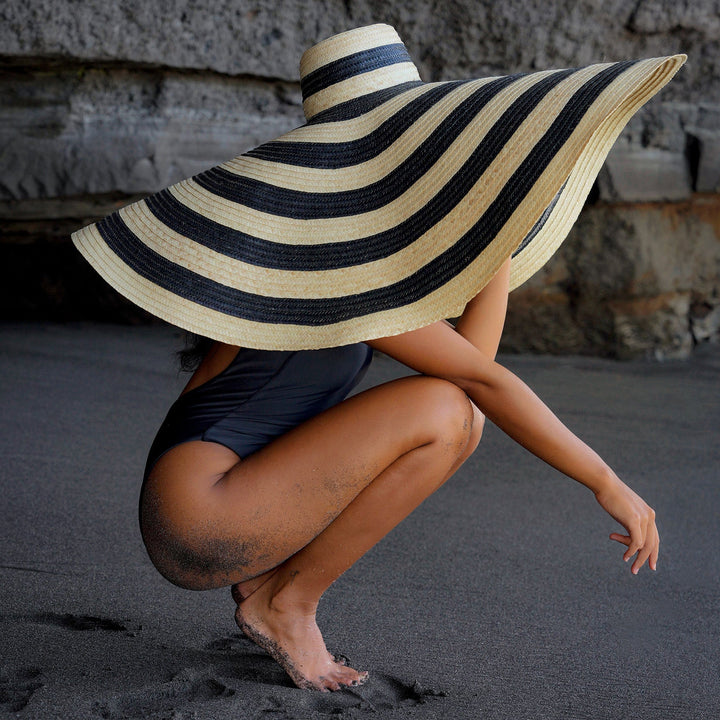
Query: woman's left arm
{"type": "Point", "coordinates": [439, 351]}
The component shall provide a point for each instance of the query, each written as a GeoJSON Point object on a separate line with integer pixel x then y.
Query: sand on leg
{"type": "Point", "coordinates": [297, 585]}
{"type": "Point", "coordinates": [208, 525]}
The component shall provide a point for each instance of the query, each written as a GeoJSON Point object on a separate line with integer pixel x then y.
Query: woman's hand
{"type": "Point", "coordinates": [637, 517]}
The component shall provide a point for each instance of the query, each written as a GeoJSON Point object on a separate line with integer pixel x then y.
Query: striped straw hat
{"type": "Point", "coordinates": [389, 209]}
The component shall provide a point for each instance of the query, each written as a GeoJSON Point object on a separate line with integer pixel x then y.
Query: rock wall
{"type": "Point", "coordinates": [105, 102]}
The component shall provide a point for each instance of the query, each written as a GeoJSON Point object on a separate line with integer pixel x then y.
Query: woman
{"type": "Point", "coordinates": [283, 524]}
{"type": "Point", "coordinates": [397, 205]}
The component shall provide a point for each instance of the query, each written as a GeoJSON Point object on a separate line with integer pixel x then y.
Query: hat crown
{"type": "Point", "coordinates": [351, 64]}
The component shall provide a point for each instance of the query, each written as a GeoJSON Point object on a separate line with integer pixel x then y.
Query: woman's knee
{"type": "Point", "coordinates": [449, 414]}
{"type": "Point", "coordinates": [476, 432]}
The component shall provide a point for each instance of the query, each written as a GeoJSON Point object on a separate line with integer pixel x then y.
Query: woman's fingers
{"type": "Point", "coordinates": [642, 556]}
{"type": "Point", "coordinates": [648, 552]}
{"type": "Point", "coordinates": [654, 553]}
{"type": "Point", "coordinates": [637, 543]}
{"type": "Point", "coordinates": [646, 546]}
{"type": "Point", "coordinates": [638, 519]}
{"type": "Point", "coordinates": [649, 545]}
{"type": "Point", "coordinates": [637, 540]}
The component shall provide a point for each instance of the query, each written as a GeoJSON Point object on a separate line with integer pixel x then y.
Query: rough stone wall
{"type": "Point", "coordinates": [105, 102]}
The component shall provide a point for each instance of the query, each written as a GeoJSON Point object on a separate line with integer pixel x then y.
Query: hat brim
{"type": "Point", "coordinates": [379, 216]}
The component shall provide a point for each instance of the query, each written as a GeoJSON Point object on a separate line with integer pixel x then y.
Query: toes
{"type": "Point", "coordinates": [349, 677]}
{"type": "Point", "coordinates": [329, 684]}
{"type": "Point", "coordinates": [361, 679]}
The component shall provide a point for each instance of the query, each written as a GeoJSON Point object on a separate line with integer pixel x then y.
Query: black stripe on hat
{"type": "Point", "coordinates": [303, 205]}
{"type": "Point", "coordinates": [282, 256]}
{"type": "Point", "coordinates": [538, 226]}
{"type": "Point", "coordinates": [353, 152]}
{"type": "Point", "coordinates": [351, 65]}
{"type": "Point", "coordinates": [325, 311]}
{"type": "Point", "coordinates": [360, 105]}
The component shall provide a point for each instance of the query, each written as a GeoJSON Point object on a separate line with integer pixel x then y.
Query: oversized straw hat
{"type": "Point", "coordinates": [389, 209]}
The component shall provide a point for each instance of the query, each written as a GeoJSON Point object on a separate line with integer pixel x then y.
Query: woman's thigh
{"type": "Point", "coordinates": [206, 510]}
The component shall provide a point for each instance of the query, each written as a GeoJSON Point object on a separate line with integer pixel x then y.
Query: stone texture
{"type": "Point", "coordinates": [177, 86]}
{"type": "Point", "coordinates": [708, 159]}
{"type": "Point", "coordinates": [652, 327]}
{"type": "Point", "coordinates": [542, 320]}
{"type": "Point", "coordinates": [705, 319]}
{"type": "Point", "coordinates": [448, 39]}
{"type": "Point", "coordinates": [667, 151]}
{"type": "Point", "coordinates": [643, 174]}
{"type": "Point", "coordinates": [99, 130]}
{"type": "Point", "coordinates": [639, 280]}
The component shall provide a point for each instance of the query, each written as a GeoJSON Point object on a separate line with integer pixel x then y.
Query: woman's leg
{"type": "Point", "coordinates": [403, 453]}
{"type": "Point", "coordinates": [312, 502]}
{"type": "Point", "coordinates": [281, 613]}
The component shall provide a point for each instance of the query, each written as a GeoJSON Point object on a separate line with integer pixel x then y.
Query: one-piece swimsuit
{"type": "Point", "coordinates": [261, 395]}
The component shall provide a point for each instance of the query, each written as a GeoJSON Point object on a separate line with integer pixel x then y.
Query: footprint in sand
{"type": "Point", "coordinates": [17, 687]}
{"type": "Point", "coordinates": [379, 697]}
{"type": "Point", "coordinates": [249, 665]}
{"type": "Point", "coordinates": [82, 622]}
{"type": "Point", "coordinates": [162, 700]}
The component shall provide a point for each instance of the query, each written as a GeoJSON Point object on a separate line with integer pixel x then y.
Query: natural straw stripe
{"type": "Point", "coordinates": [653, 74]}
{"type": "Point", "coordinates": [387, 129]}
{"type": "Point", "coordinates": [359, 85]}
{"type": "Point", "coordinates": [347, 130]}
{"type": "Point", "coordinates": [518, 156]}
{"type": "Point", "coordinates": [271, 226]}
{"type": "Point", "coordinates": [381, 157]}
{"type": "Point", "coordinates": [307, 205]}
{"type": "Point", "coordinates": [340, 45]}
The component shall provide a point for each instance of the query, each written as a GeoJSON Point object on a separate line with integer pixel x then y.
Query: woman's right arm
{"type": "Point", "coordinates": [439, 351]}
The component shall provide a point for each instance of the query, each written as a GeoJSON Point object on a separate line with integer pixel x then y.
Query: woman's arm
{"type": "Point", "coordinates": [439, 351]}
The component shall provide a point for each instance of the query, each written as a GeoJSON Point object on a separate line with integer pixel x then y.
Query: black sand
{"type": "Point", "coordinates": [501, 597]}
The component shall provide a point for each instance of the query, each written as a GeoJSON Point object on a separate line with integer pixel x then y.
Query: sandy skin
{"type": "Point", "coordinates": [286, 629]}
{"type": "Point", "coordinates": [251, 622]}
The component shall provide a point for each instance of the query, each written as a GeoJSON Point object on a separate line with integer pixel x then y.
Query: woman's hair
{"type": "Point", "coordinates": [196, 348]}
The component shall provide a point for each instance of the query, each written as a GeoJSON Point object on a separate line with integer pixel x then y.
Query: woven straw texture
{"type": "Point", "coordinates": [388, 210]}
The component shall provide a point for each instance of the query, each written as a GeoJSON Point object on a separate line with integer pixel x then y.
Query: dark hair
{"type": "Point", "coordinates": [196, 348]}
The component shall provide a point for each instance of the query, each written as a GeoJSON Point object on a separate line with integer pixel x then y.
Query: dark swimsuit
{"type": "Point", "coordinates": [259, 396]}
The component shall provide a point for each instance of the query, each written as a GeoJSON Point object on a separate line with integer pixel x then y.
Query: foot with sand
{"type": "Point", "coordinates": [275, 616]}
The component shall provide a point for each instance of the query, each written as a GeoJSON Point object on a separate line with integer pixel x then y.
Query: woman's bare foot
{"type": "Point", "coordinates": [288, 632]}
